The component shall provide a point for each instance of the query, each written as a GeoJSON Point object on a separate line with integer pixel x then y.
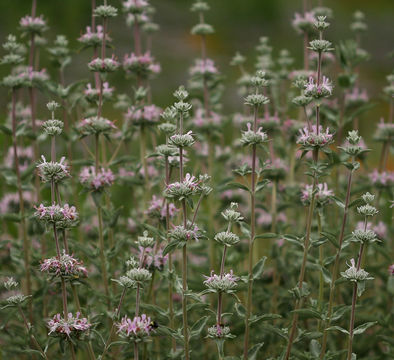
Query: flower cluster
{"type": "Point", "coordinates": [314, 137]}
{"type": "Point", "coordinates": [25, 157]}
{"type": "Point", "coordinates": [139, 276]}
{"type": "Point", "coordinates": [225, 283]}
{"type": "Point", "coordinates": [96, 181]}
{"type": "Point", "coordinates": [219, 332]}
{"type": "Point", "coordinates": [71, 327]}
{"type": "Point", "coordinates": [227, 238]}
{"type": "Point", "coordinates": [352, 274]}
{"type": "Point", "coordinates": [103, 65]}
{"type": "Point", "coordinates": [92, 93]}
{"type": "Point", "coordinates": [384, 131]}
{"type": "Point", "coordinates": [384, 179]}
{"type": "Point", "coordinates": [93, 38]}
{"type": "Point", "coordinates": [145, 115]}
{"type": "Point", "coordinates": [95, 125]}
{"type": "Point", "coordinates": [182, 235]}
{"type": "Point", "coordinates": [183, 189]}
{"type": "Point", "coordinates": [250, 137]}
{"type": "Point", "coordinates": [53, 127]}
{"type": "Point", "coordinates": [66, 266]}
{"type": "Point", "coordinates": [305, 22]}
{"type": "Point", "coordinates": [63, 217]}
{"type": "Point", "coordinates": [50, 171]}
{"type": "Point", "coordinates": [10, 202]}
{"type": "Point", "coordinates": [142, 65]}
{"type": "Point", "coordinates": [316, 91]}
{"type": "Point", "coordinates": [204, 68]}
{"type": "Point", "coordinates": [138, 329]}
{"type": "Point", "coordinates": [322, 196]}
{"type": "Point", "coordinates": [275, 169]}
{"type": "Point", "coordinates": [157, 208]}
{"type": "Point", "coordinates": [34, 25]}
{"type": "Point", "coordinates": [154, 260]}
{"type": "Point", "coordinates": [182, 140]}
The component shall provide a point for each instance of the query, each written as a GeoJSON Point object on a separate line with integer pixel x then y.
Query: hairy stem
{"type": "Point", "coordinates": [251, 242]}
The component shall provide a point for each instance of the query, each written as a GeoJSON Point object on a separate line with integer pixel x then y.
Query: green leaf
{"type": "Point", "coordinates": [240, 309]}
{"type": "Point", "coordinates": [252, 353]}
{"type": "Point", "coordinates": [331, 238]}
{"type": "Point", "coordinates": [308, 313]}
{"type": "Point", "coordinates": [360, 329]}
{"type": "Point", "coordinates": [5, 129]}
{"type": "Point", "coordinates": [170, 247]}
{"type": "Point", "coordinates": [265, 317]}
{"type": "Point", "coordinates": [266, 236]}
{"type": "Point", "coordinates": [258, 268]}
{"type": "Point", "coordinates": [198, 326]}
{"type": "Point", "coordinates": [293, 240]}
{"type": "Point", "coordinates": [237, 185]}
{"type": "Point", "coordinates": [331, 328]}
{"type": "Point", "coordinates": [315, 348]}
{"type": "Point", "coordinates": [262, 184]}
{"type": "Point", "coordinates": [338, 201]}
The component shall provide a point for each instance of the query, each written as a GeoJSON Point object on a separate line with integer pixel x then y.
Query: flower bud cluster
{"type": "Point", "coordinates": [354, 275]}
{"type": "Point", "coordinates": [227, 238]}
{"type": "Point", "coordinates": [95, 125]}
{"type": "Point", "coordinates": [231, 215]}
{"type": "Point", "coordinates": [182, 140]}
{"type": "Point", "coordinates": [50, 171]}
{"type": "Point", "coordinates": [105, 11]}
{"type": "Point", "coordinates": [183, 189]}
{"type": "Point", "coordinates": [219, 332]}
{"type": "Point", "coordinates": [225, 283]}
{"type": "Point", "coordinates": [365, 237]}
{"type": "Point", "coordinates": [182, 235]}
{"type": "Point", "coordinates": [145, 241]}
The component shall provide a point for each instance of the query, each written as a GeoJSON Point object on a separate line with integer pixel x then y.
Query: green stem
{"type": "Point", "coordinates": [23, 227]}
{"type": "Point", "coordinates": [336, 267]}
{"type": "Point", "coordinates": [304, 259]}
{"type": "Point", "coordinates": [251, 242]}
{"type": "Point", "coordinates": [32, 337]}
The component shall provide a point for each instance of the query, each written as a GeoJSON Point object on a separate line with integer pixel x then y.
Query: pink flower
{"type": "Point", "coordinates": [139, 327]}
{"type": "Point", "coordinates": [204, 67]}
{"type": "Point", "coordinates": [90, 179]}
{"type": "Point", "coordinates": [70, 327]}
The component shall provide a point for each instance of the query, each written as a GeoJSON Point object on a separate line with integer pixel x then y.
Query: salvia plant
{"type": "Point", "coordinates": [133, 229]}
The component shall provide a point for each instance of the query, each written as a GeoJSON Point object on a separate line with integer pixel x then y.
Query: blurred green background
{"type": "Point", "coordinates": [238, 25]}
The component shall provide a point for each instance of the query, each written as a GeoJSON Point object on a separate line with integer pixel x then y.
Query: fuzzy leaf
{"type": "Point", "coordinates": [308, 313]}
{"type": "Point", "coordinates": [338, 328]}
{"type": "Point", "coordinates": [258, 268]}
{"type": "Point", "coordinates": [266, 236]}
{"type": "Point", "coordinates": [237, 185]}
{"type": "Point", "coordinates": [360, 329]}
{"type": "Point", "coordinates": [252, 353]}
{"type": "Point", "coordinates": [198, 326]}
